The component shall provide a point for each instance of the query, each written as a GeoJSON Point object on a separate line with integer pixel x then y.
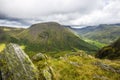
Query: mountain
{"type": "Point", "coordinates": [104, 33]}
{"type": "Point", "coordinates": [71, 61]}
{"type": "Point", "coordinates": [110, 52]}
{"type": "Point", "coordinates": [52, 36]}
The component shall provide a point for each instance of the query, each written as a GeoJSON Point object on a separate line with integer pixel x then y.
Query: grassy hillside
{"type": "Point", "coordinates": [78, 66]}
{"type": "Point", "coordinates": [102, 33]}
{"type": "Point", "coordinates": [7, 34]}
{"type": "Point", "coordinates": [52, 37]}
{"type": "Point", "coordinates": [96, 43]}
{"type": "Point", "coordinates": [10, 30]}
{"type": "Point", "coordinates": [110, 52]}
{"type": "Point", "coordinates": [73, 66]}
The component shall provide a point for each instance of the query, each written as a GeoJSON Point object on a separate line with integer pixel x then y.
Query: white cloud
{"type": "Point", "coordinates": [73, 12]}
{"type": "Point", "coordinates": [110, 14]}
{"type": "Point", "coordinates": [35, 8]}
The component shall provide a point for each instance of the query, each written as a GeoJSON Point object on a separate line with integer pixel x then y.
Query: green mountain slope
{"type": "Point", "coordinates": [52, 36]}
{"type": "Point", "coordinates": [103, 33]}
{"type": "Point", "coordinates": [111, 52]}
{"type": "Point", "coordinates": [96, 43]}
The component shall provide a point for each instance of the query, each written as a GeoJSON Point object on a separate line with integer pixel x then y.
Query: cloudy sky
{"type": "Point", "coordinates": [23, 13]}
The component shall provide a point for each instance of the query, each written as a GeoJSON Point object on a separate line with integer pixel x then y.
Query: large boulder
{"type": "Point", "coordinates": [16, 65]}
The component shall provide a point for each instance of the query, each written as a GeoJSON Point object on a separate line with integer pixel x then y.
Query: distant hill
{"type": "Point", "coordinates": [104, 33]}
{"type": "Point", "coordinates": [52, 36]}
{"type": "Point", "coordinates": [110, 52]}
{"type": "Point", "coordinates": [7, 34]}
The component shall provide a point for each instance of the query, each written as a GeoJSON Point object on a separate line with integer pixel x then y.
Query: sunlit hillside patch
{"type": "Point", "coordinates": [2, 46]}
{"type": "Point", "coordinates": [23, 47]}
{"type": "Point", "coordinates": [6, 29]}
{"type": "Point", "coordinates": [96, 43]}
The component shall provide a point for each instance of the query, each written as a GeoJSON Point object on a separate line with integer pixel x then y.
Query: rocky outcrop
{"type": "Point", "coordinates": [45, 69]}
{"type": "Point", "coordinates": [107, 67]}
{"type": "Point", "coordinates": [39, 57]}
{"type": "Point", "coordinates": [48, 73]}
{"type": "Point", "coordinates": [16, 65]}
{"type": "Point", "coordinates": [110, 52]}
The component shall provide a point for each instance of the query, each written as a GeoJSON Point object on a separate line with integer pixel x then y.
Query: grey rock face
{"type": "Point", "coordinates": [16, 65]}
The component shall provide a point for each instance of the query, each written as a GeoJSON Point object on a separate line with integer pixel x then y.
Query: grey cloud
{"type": "Point", "coordinates": [36, 8]}
{"type": "Point", "coordinates": [69, 12]}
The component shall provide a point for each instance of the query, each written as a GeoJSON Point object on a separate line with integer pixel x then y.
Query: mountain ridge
{"type": "Point", "coordinates": [104, 33]}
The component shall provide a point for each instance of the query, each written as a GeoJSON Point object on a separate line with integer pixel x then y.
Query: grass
{"type": "Point", "coordinates": [68, 65]}
{"type": "Point", "coordinates": [96, 43]}
{"type": "Point", "coordinates": [23, 47]}
{"type": "Point", "coordinates": [2, 46]}
{"type": "Point", "coordinates": [72, 67]}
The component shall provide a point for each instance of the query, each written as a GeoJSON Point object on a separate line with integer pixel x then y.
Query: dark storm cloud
{"type": "Point", "coordinates": [13, 22]}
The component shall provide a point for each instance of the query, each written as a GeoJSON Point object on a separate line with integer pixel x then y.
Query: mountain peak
{"type": "Point", "coordinates": [46, 24]}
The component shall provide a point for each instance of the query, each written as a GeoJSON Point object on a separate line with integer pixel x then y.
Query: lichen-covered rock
{"type": "Point", "coordinates": [39, 57]}
{"type": "Point", "coordinates": [16, 65]}
{"type": "Point", "coordinates": [48, 73]}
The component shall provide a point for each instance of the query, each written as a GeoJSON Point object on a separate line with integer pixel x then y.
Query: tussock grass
{"type": "Point", "coordinates": [81, 67]}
